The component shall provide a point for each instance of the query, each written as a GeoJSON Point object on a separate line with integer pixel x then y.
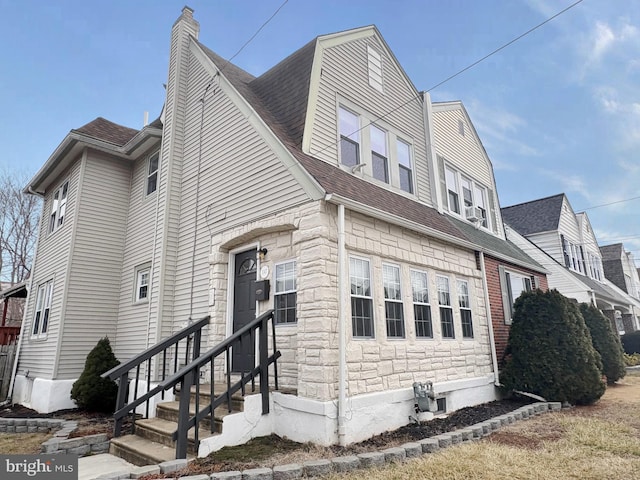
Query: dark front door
{"type": "Point", "coordinates": [244, 310]}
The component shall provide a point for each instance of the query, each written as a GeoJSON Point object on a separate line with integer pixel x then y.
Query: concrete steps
{"type": "Point", "coordinates": [152, 442]}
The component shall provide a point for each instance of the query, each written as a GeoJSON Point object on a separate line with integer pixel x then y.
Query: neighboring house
{"type": "Point", "coordinates": [620, 268]}
{"type": "Point", "coordinates": [468, 194]}
{"type": "Point", "coordinates": [316, 175]}
{"type": "Point", "coordinates": [13, 300]}
{"type": "Point", "coordinates": [563, 242]}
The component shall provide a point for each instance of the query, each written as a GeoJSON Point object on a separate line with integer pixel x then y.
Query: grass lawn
{"type": "Point", "coordinates": [601, 441]}
{"type": "Point", "coordinates": [22, 443]}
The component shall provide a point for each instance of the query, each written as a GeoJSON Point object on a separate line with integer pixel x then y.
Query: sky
{"type": "Point", "coordinates": [557, 111]}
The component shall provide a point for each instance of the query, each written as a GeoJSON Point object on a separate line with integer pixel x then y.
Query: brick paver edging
{"type": "Point", "coordinates": [315, 468]}
{"type": "Point", "coordinates": [60, 442]}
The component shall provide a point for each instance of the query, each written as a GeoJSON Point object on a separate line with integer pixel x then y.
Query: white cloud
{"type": "Point", "coordinates": [603, 39]}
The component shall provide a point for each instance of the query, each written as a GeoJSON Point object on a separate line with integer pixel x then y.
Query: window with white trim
{"type": "Point", "coordinates": [142, 275]}
{"type": "Point", "coordinates": [379, 157]}
{"type": "Point", "coordinates": [349, 137]}
{"type": "Point", "coordinates": [285, 296]}
{"type": "Point", "coordinates": [473, 195]}
{"type": "Point", "coordinates": [464, 301]}
{"type": "Point", "coordinates": [393, 306]}
{"type": "Point", "coordinates": [152, 172]}
{"type": "Point", "coordinates": [421, 305]}
{"type": "Point", "coordinates": [44, 299]}
{"type": "Point", "coordinates": [361, 298]}
{"type": "Point", "coordinates": [375, 69]}
{"type": "Point", "coordinates": [446, 309]}
{"type": "Point", "coordinates": [58, 207]}
{"type": "Point", "coordinates": [513, 285]}
{"type": "Point", "coordinates": [405, 169]}
{"type": "Point", "coordinates": [453, 198]}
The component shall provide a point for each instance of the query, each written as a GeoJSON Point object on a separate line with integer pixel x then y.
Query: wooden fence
{"type": "Point", "coordinates": [7, 357]}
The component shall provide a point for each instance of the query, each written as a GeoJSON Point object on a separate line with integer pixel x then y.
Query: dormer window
{"type": "Point", "coordinates": [58, 207]}
{"type": "Point", "coordinates": [453, 198]}
{"type": "Point", "coordinates": [375, 69]}
{"type": "Point", "coordinates": [379, 157]}
{"type": "Point", "coordinates": [152, 173]}
{"type": "Point", "coordinates": [349, 138]}
{"type": "Point", "coordinates": [474, 197]}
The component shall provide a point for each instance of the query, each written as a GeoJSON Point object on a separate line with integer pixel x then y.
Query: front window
{"type": "Point", "coordinates": [44, 299]}
{"type": "Point", "coordinates": [465, 309]}
{"type": "Point", "coordinates": [516, 284]}
{"type": "Point", "coordinates": [404, 166]}
{"type": "Point", "coordinates": [379, 158]}
{"type": "Point", "coordinates": [58, 207]}
{"type": "Point", "coordinates": [393, 301]}
{"type": "Point", "coordinates": [446, 310]}
{"type": "Point", "coordinates": [143, 273]}
{"type": "Point", "coordinates": [152, 173]}
{"type": "Point", "coordinates": [421, 306]}
{"type": "Point", "coordinates": [452, 190]}
{"type": "Point", "coordinates": [361, 298]}
{"type": "Point", "coordinates": [285, 297]}
{"type": "Point", "coordinates": [349, 138]}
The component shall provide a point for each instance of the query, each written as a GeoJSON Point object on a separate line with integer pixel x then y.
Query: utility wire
{"type": "Point", "coordinates": [611, 203]}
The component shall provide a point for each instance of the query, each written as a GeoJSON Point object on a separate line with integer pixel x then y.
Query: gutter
{"type": "Point", "coordinates": [492, 340]}
{"type": "Point", "coordinates": [342, 321]}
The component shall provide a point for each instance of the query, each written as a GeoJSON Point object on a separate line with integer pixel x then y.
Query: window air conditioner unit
{"type": "Point", "coordinates": [471, 214]}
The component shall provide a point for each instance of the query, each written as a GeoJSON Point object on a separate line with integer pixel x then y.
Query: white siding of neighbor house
{"type": "Point", "coordinates": [466, 155]}
{"type": "Point", "coordinates": [93, 286]}
{"type": "Point", "coordinates": [231, 176]}
{"type": "Point", "coordinates": [568, 225]}
{"type": "Point", "coordinates": [588, 238]}
{"type": "Point", "coordinates": [133, 318]}
{"type": "Point", "coordinates": [344, 76]}
{"type": "Point", "coordinates": [550, 243]}
{"type": "Point", "coordinates": [53, 250]}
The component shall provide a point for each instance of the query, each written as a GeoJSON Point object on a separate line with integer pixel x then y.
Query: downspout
{"type": "Point", "coordinates": [492, 340]}
{"type": "Point", "coordinates": [14, 372]}
{"type": "Point", "coordinates": [342, 319]}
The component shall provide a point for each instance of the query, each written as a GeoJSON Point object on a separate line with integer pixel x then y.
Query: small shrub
{"type": "Point", "coordinates": [550, 351]}
{"type": "Point", "coordinates": [92, 392]}
{"type": "Point", "coordinates": [631, 342]}
{"type": "Point", "coordinates": [632, 360]}
{"type": "Point", "coordinates": [605, 341]}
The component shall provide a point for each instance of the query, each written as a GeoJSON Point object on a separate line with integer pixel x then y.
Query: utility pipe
{"type": "Point", "coordinates": [342, 320]}
{"type": "Point", "coordinates": [492, 340]}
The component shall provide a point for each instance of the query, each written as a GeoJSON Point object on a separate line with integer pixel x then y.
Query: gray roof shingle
{"type": "Point", "coordinates": [540, 215]}
{"type": "Point", "coordinates": [107, 131]}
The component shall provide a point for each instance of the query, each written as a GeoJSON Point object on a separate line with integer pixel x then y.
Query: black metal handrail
{"type": "Point", "coordinates": [192, 335]}
{"type": "Point", "coordinates": [188, 376]}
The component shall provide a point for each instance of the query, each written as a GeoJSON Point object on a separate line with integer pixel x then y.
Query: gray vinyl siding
{"type": "Point", "coordinates": [93, 287]}
{"type": "Point", "coordinates": [38, 355]}
{"type": "Point", "coordinates": [345, 75]}
{"type": "Point", "coordinates": [464, 151]}
{"type": "Point", "coordinates": [240, 179]}
{"type": "Point", "coordinates": [133, 318]}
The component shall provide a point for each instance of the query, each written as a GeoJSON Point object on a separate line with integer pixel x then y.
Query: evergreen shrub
{"type": "Point", "coordinates": [549, 351]}
{"type": "Point", "coordinates": [631, 342]}
{"type": "Point", "coordinates": [605, 341]}
{"type": "Point", "coordinates": [90, 391]}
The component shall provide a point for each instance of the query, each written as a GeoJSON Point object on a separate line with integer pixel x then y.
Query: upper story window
{"type": "Point", "coordinates": [375, 69]}
{"type": "Point", "coordinates": [58, 207]}
{"type": "Point", "coordinates": [361, 298]}
{"type": "Point", "coordinates": [44, 299]}
{"type": "Point", "coordinates": [285, 296]}
{"type": "Point", "coordinates": [379, 157]}
{"type": "Point", "coordinates": [393, 306]}
{"type": "Point", "coordinates": [473, 206]}
{"type": "Point", "coordinates": [143, 274]}
{"type": "Point", "coordinates": [404, 166]}
{"type": "Point", "coordinates": [349, 138]}
{"type": "Point", "coordinates": [152, 173]}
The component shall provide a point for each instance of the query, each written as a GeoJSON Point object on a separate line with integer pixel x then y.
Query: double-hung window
{"type": "Point", "coordinates": [404, 166]}
{"type": "Point", "coordinates": [421, 306]}
{"type": "Point", "coordinates": [361, 298]}
{"type": "Point", "coordinates": [480, 196]}
{"type": "Point", "coordinates": [44, 299]}
{"type": "Point", "coordinates": [349, 138]}
{"type": "Point", "coordinates": [465, 197]}
{"type": "Point", "coordinates": [393, 306]}
{"type": "Point", "coordinates": [514, 285]}
{"type": "Point", "coordinates": [465, 309]}
{"type": "Point", "coordinates": [446, 310]}
{"type": "Point", "coordinates": [285, 296]}
{"type": "Point", "coordinates": [143, 274]}
{"type": "Point", "coordinates": [152, 173]}
{"type": "Point", "coordinates": [58, 207]}
{"type": "Point", "coordinates": [379, 157]}
{"type": "Point", "coordinates": [453, 198]}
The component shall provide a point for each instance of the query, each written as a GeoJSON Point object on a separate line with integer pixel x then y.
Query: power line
{"type": "Point", "coordinates": [611, 203]}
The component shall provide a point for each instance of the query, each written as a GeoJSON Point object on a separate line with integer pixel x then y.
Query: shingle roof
{"type": "Point", "coordinates": [103, 129]}
{"type": "Point", "coordinates": [611, 252]}
{"type": "Point", "coordinates": [612, 265]}
{"type": "Point", "coordinates": [541, 215]}
{"type": "Point", "coordinates": [494, 244]}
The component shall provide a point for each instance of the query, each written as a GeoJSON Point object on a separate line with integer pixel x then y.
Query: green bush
{"type": "Point", "coordinates": [605, 341]}
{"type": "Point", "coordinates": [550, 353]}
{"type": "Point", "coordinates": [631, 342]}
{"type": "Point", "coordinates": [92, 392]}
